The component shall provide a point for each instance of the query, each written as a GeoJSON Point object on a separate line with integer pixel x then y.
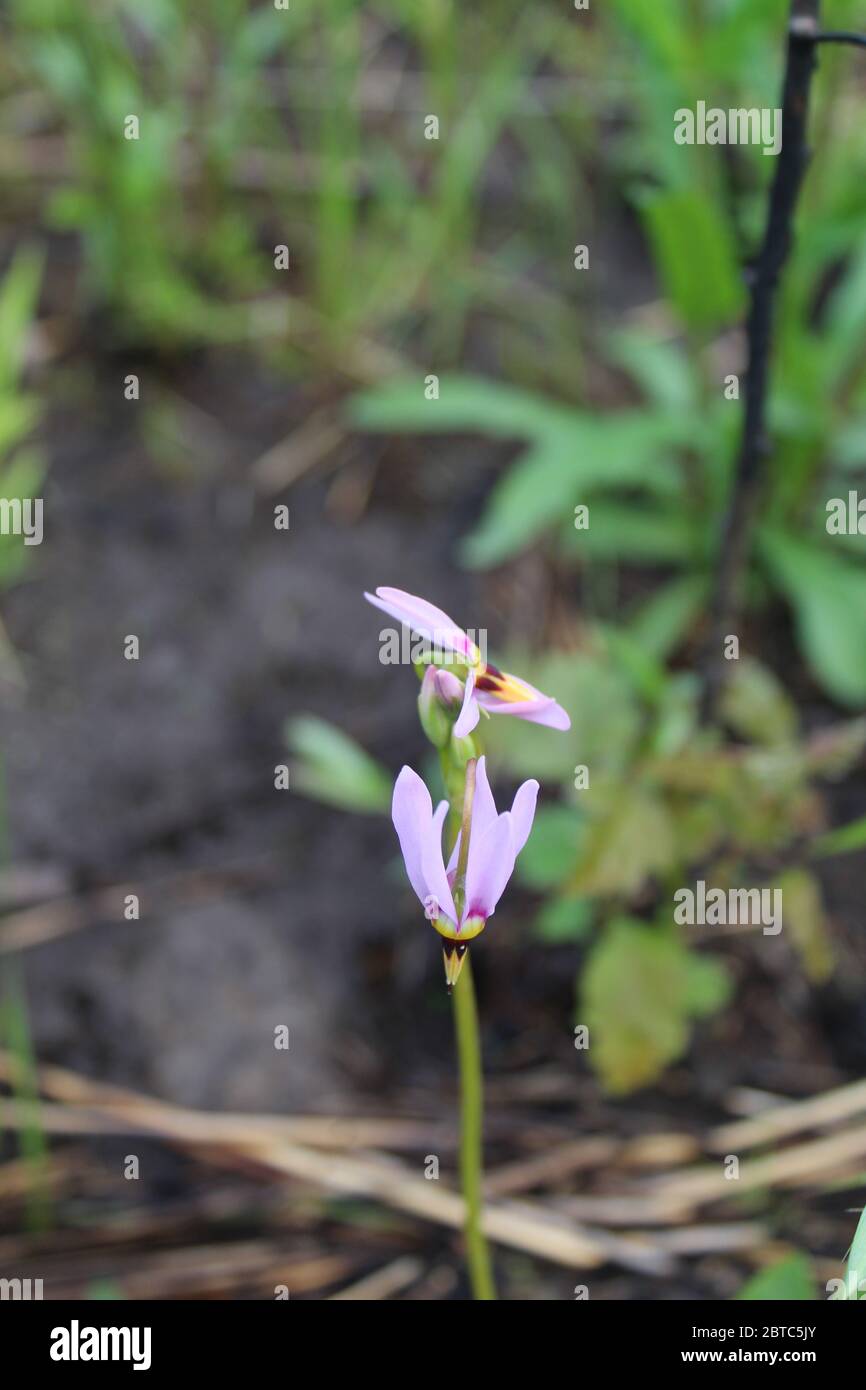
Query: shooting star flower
{"type": "Point", "coordinates": [485, 686]}
{"type": "Point", "coordinates": [460, 898]}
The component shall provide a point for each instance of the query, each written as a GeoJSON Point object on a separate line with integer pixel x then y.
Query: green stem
{"type": "Point", "coordinates": [471, 1116]}
{"type": "Point", "coordinates": [459, 788]}
{"type": "Point", "coordinates": [454, 779]}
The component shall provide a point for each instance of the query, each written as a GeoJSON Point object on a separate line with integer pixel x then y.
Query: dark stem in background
{"type": "Point", "coordinates": [803, 39]}
{"type": "Point", "coordinates": [791, 166]}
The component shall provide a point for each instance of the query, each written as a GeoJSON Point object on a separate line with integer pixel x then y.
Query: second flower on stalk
{"type": "Point", "coordinates": [460, 898]}
{"type": "Point", "coordinates": [484, 686]}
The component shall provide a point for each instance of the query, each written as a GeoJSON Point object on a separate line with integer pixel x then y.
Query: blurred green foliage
{"type": "Point", "coordinates": [21, 464]}
{"type": "Point", "coordinates": [652, 802]}
{"type": "Point", "coordinates": [656, 477]}
{"type": "Point", "coordinates": [641, 988]}
{"type": "Point", "coordinates": [787, 1281]}
{"type": "Point", "coordinates": [261, 127]}
{"type": "Point", "coordinates": [655, 480]}
{"type": "Point", "coordinates": [331, 767]}
{"type": "Point", "coordinates": [160, 228]}
{"type": "Point", "coordinates": [855, 1274]}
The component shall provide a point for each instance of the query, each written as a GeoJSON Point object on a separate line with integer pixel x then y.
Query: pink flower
{"type": "Point", "coordinates": [485, 686]}
{"type": "Point", "coordinates": [459, 906]}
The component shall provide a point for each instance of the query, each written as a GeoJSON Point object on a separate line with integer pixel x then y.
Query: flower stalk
{"type": "Point", "coordinates": [459, 891]}
{"type": "Point", "coordinates": [471, 1135]}
{"type": "Point", "coordinates": [458, 973]}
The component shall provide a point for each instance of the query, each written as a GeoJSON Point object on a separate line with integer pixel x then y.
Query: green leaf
{"type": "Point", "coordinates": [646, 673]}
{"type": "Point", "coordinates": [570, 453]}
{"type": "Point", "coordinates": [662, 369]}
{"type": "Point", "coordinates": [333, 768]}
{"type": "Point", "coordinates": [787, 1281]}
{"type": "Point", "coordinates": [561, 472]}
{"type": "Point", "coordinates": [844, 840]}
{"type": "Point", "coordinates": [18, 296]}
{"type": "Point", "coordinates": [641, 987]}
{"type": "Point", "coordinates": [845, 313]}
{"type": "Point", "coordinates": [695, 256]}
{"type": "Point", "coordinates": [803, 916]}
{"type": "Point", "coordinates": [564, 919]}
{"type": "Point", "coordinates": [19, 479]}
{"type": "Point", "coordinates": [756, 706]}
{"type": "Point", "coordinates": [631, 840]}
{"type": "Point", "coordinates": [550, 852]}
{"type": "Point", "coordinates": [18, 415]}
{"type": "Point", "coordinates": [537, 492]}
{"type": "Point", "coordinates": [828, 596]}
{"type": "Point", "coordinates": [605, 719]}
{"type": "Point", "coordinates": [22, 477]}
{"type": "Point", "coordinates": [465, 404]}
{"type": "Point", "coordinates": [663, 621]}
{"type": "Point", "coordinates": [856, 1272]}
{"type": "Point", "coordinates": [676, 723]}
{"type": "Point", "coordinates": [638, 535]}
{"type": "Point", "coordinates": [848, 446]}
{"type": "Point", "coordinates": [707, 986]}
{"type": "Point", "coordinates": [660, 28]}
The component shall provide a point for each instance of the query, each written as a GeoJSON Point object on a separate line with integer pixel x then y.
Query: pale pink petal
{"type": "Point", "coordinates": [422, 617]}
{"type": "Point", "coordinates": [469, 714]}
{"type": "Point", "coordinates": [433, 866]}
{"type": "Point", "coordinates": [429, 690]}
{"type": "Point", "coordinates": [523, 813]}
{"type": "Point", "coordinates": [483, 805]}
{"type": "Point", "coordinates": [448, 687]}
{"type": "Point", "coordinates": [412, 814]}
{"type": "Point", "coordinates": [541, 711]}
{"type": "Point", "coordinates": [491, 861]}
{"type": "Point", "coordinates": [455, 853]}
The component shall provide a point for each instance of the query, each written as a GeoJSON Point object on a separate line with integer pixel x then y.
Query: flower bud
{"type": "Point", "coordinates": [449, 689]}
{"type": "Point", "coordinates": [439, 702]}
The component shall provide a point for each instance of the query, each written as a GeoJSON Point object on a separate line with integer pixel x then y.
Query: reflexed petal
{"type": "Point", "coordinates": [483, 805]}
{"type": "Point", "coordinates": [422, 617]}
{"type": "Point", "coordinates": [544, 710]}
{"type": "Point", "coordinates": [433, 866]}
{"type": "Point", "coordinates": [523, 813]}
{"type": "Point", "coordinates": [412, 814]}
{"type": "Point", "coordinates": [491, 861]}
{"type": "Point", "coordinates": [469, 714]}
